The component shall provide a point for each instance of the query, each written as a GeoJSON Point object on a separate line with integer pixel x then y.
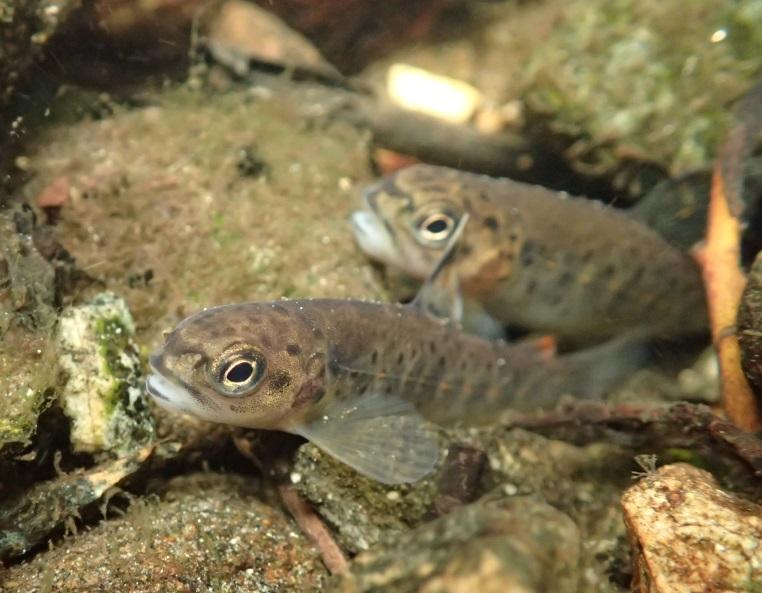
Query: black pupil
{"type": "Point", "coordinates": [437, 226]}
{"type": "Point", "coordinates": [240, 372]}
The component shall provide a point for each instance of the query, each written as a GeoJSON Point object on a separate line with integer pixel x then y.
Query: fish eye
{"type": "Point", "coordinates": [239, 372]}
{"type": "Point", "coordinates": [436, 226]}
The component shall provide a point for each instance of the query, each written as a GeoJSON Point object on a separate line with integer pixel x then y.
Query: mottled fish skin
{"type": "Point", "coordinates": [535, 258]}
{"type": "Point", "coordinates": [318, 362]}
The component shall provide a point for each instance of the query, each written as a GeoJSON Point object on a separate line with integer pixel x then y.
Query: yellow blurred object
{"type": "Point", "coordinates": [438, 96]}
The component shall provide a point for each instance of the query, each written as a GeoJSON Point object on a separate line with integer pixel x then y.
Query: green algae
{"type": "Point", "coordinates": [103, 395]}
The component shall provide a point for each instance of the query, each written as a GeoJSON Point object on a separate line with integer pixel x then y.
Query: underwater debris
{"type": "Point", "coordinates": [31, 517]}
{"type": "Point", "coordinates": [687, 533]}
{"type": "Point", "coordinates": [103, 395]}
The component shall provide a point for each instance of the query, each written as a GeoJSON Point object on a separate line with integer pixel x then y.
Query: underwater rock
{"type": "Point", "coordinates": [363, 512]}
{"type": "Point", "coordinates": [516, 544]}
{"type": "Point", "coordinates": [207, 532]}
{"type": "Point", "coordinates": [25, 27]}
{"type": "Point", "coordinates": [350, 32]}
{"type": "Point", "coordinates": [31, 516]}
{"type": "Point", "coordinates": [104, 394]}
{"type": "Point", "coordinates": [651, 80]}
{"type": "Point", "coordinates": [28, 367]}
{"type": "Point", "coordinates": [201, 233]}
{"type": "Point", "coordinates": [241, 33]}
{"type": "Point", "coordinates": [578, 480]}
{"type": "Point", "coordinates": [688, 533]}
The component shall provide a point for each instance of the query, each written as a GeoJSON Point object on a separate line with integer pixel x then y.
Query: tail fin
{"type": "Point", "coordinates": [587, 374]}
{"type": "Point", "coordinates": [593, 372]}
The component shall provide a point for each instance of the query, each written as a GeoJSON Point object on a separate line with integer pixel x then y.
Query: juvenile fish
{"type": "Point", "coordinates": [362, 380]}
{"type": "Point", "coordinates": [532, 257]}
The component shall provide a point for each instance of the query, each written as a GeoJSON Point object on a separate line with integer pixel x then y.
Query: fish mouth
{"type": "Point", "coordinates": [167, 393]}
{"type": "Point", "coordinates": [371, 232]}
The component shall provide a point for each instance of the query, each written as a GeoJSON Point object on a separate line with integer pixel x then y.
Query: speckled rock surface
{"type": "Point", "coordinates": [519, 544]}
{"type": "Point", "coordinates": [688, 533]}
{"type": "Point", "coordinates": [584, 482]}
{"type": "Point", "coordinates": [207, 532]}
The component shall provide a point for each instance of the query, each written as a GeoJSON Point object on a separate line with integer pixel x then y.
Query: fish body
{"type": "Point", "coordinates": [362, 380]}
{"type": "Point", "coordinates": [532, 257]}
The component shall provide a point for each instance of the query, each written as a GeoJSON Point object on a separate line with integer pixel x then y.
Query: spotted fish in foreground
{"type": "Point", "coordinates": [532, 257]}
{"type": "Point", "coordinates": [362, 380]}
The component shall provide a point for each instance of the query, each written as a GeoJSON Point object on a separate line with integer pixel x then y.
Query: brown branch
{"type": "Point", "coordinates": [720, 262]}
{"type": "Point", "coordinates": [648, 427]}
{"type": "Point", "coordinates": [314, 528]}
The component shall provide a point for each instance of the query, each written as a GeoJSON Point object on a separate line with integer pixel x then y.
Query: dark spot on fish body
{"type": "Point", "coordinates": [317, 332]}
{"type": "Point", "coordinates": [400, 358]}
{"type": "Point", "coordinates": [465, 249]}
{"type": "Point", "coordinates": [263, 340]}
{"type": "Point", "coordinates": [374, 357]}
{"type": "Point", "coordinates": [280, 380]}
{"type": "Point", "coordinates": [491, 223]}
{"type": "Point", "coordinates": [528, 254]}
{"type": "Point", "coordinates": [293, 349]}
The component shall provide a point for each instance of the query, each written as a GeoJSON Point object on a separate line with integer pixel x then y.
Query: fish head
{"type": "Point", "coordinates": [408, 219]}
{"type": "Point", "coordinates": [246, 365]}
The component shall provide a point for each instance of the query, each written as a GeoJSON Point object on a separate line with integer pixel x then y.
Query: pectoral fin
{"type": "Point", "coordinates": [381, 436]}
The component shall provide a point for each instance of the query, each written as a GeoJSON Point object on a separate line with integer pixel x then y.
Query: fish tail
{"type": "Point", "coordinates": [594, 372]}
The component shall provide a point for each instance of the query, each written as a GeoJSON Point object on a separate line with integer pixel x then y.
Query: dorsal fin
{"type": "Point", "coordinates": [440, 295]}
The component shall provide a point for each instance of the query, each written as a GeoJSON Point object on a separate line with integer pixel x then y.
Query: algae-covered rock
{"type": "Point", "coordinates": [103, 395]}
{"type": "Point", "coordinates": [28, 368]}
{"type": "Point", "coordinates": [207, 532]}
{"type": "Point", "coordinates": [645, 80]}
{"type": "Point", "coordinates": [517, 544]}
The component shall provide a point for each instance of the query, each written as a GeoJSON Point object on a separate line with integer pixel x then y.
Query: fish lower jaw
{"type": "Point", "coordinates": [372, 237]}
{"type": "Point", "coordinates": [167, 394]}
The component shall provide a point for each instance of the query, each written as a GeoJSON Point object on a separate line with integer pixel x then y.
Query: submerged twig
{"type": "Point", "coordinates": [271, 459]}
{"type": "Point", "coordinates": [647, 427]}
{"type": "Point", "coordinates": [314, 528]}
{"type": "Point", "coordinates": [720, 262]}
